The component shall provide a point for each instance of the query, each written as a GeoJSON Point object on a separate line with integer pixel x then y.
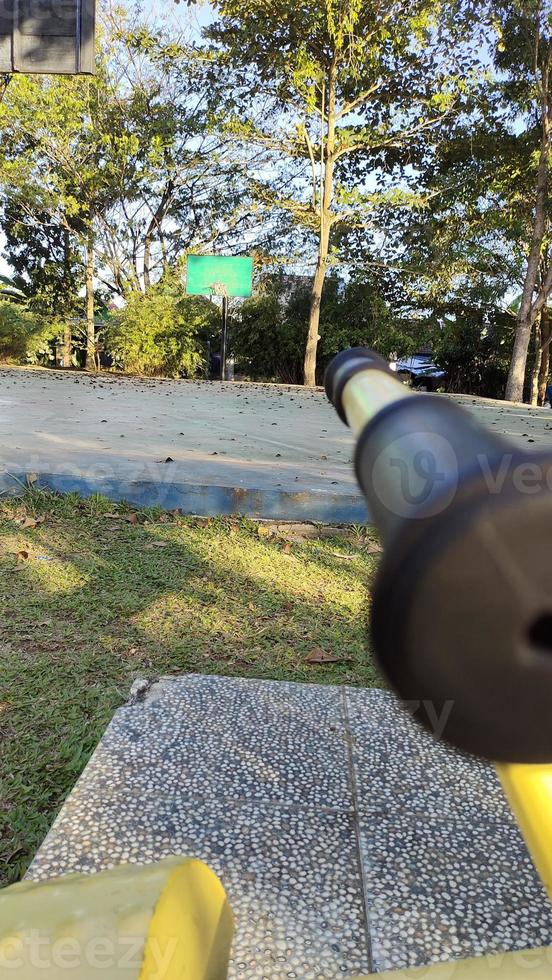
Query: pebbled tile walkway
{"type": "Point", "coordinates": [349, 841]}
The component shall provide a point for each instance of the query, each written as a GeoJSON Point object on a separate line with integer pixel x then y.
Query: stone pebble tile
{"type": "Point", "coordinates": [400, 765]}
{"type": "Point", "coordinates": [291, 876]}
{"type": "Point", "coordinates": [447, 873]}
{"type": "Point", "coordinates": [215, 737]}
{"type": "Point", "coordinates": [252, 777]}
{"type": "Point", "coordinates": [440, 891]}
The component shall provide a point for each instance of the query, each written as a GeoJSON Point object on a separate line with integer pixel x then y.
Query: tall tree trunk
{"type": "Point", "coordinates": [67, 333]}
{"type": "Point", "coordinates": [526, 316]}
{"type": "Point", "coordinates": [536, 366]}
{"type": "Point", "coordinates": [326, 200]}
{"type": "Point", "coordinates": [309, 365]}
{"type": "Point", "coordinates": [67, 346]}
{"type": "Point", "coordinates": [545, 356]}
{"type": "Point", "coordinates": [148, 241]}
{"type": "Point", "coordinates": [90, 363]}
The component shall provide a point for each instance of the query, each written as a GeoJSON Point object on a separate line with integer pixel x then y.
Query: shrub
{"type": "Point", "coordinates": [160, 332]}
{"type": "Point", "coordinates": [267, 342]}
{"type": "Point", "coordinates": [474, 351]}
{"type": "Point", "coordinates": [269, 332]}
{"type": "Point", "coordinates": [25, 337]}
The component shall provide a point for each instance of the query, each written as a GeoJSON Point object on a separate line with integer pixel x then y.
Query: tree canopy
{"type": "Point", "coordinates": [387, 156]}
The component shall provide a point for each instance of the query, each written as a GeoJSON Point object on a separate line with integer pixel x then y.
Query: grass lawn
{"type": "Point", "coordinates": [89, 602]}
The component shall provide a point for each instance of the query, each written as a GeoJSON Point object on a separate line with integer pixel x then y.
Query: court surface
{"type": "Point", "coordinates": [204, 447]}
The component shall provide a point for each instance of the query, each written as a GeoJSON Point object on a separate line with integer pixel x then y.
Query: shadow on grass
{"type": "Point", "coordinates": [99, 602]}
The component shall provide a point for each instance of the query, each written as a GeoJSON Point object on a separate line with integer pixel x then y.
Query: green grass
{"type": "Point", "coordinates": [94, 603]}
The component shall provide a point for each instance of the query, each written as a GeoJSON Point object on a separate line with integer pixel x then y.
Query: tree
{"type": "Point", "coordinates": [107, 181]}
{"type": "Point", "coordinates": [43, 257]}
{"type": "Point", "coordinates": [52, 183]}
{"type": "Point", "coordinates": [479, 238]}
{"type": "Point", "coordinates": [524, 55]}
{"type": "Point", "coordinates": [336, 91]}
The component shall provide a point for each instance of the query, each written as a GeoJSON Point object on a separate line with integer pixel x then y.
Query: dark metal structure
{"type": "Point", "coordinates": [47, 36]}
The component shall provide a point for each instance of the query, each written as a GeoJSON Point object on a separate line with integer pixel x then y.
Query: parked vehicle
{"type": "Point", "coordinates": [421, 372]}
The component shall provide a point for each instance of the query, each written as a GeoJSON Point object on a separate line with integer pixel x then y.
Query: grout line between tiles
{"type": "Point", "coordinates": [356, 825]}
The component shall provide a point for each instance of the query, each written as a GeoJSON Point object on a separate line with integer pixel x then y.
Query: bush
{"type": "Point", "coordinates": [269, 332]}
{"type": "Point", "coordinates": [25, 337]}
{"type": "Point", "coordinates": [474, 350]}
{"type": "Point", "coordinates": [160, 332]}
{"type": "Point", "coordinates": [267, 341]}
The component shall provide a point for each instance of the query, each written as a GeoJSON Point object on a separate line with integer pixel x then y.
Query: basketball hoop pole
{"type": "Point", "coordinates": [224, 338]}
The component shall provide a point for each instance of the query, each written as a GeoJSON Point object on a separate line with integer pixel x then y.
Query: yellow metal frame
{"type": "Point", "coordinates": [165, 921]}
{"type": "Point", "coordinates": [529, 793]}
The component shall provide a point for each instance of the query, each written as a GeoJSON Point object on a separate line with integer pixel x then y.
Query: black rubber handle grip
{"type": "Point", "coordinates": [462, 606]}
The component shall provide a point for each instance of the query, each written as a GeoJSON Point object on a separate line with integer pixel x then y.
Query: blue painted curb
{"type": "Point", "coordinates": [205, 500]}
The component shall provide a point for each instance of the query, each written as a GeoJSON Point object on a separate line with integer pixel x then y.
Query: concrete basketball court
{"type": "Point", "coordinates": [273, 451]}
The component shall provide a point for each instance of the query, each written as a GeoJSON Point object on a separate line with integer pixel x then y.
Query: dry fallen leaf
{"type": "Point", "coordinates": [157, 544]}
{"type": "Point", "coordinates": [372, 548]}
{"type": "Point", "coordinates": [22, 555]}
{"type": "Point", "coordinates": [31, 521]}
{"type": "Point", "coordinates": [287, 548]}
{"type": "Point", "coordinates": [113, 517]}
{"type": "Point", "coordinates": [131, 518]}
{"type": "Point", "coordinates": [32, 478]}
{"type": "Point", "coordinates": [319, 656]}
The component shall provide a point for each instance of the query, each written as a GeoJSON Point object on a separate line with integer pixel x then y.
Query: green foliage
{"type": "Point", "coordinates": [268, 333]}
{"type": "Point", "coordinates": [127, 155]}
{"type": "Point", "coordinates": [341, 95]}
{"type": "Point", "coordinates": [473, 348]}
{"type": "Point", "coordinates": [160, 332]}
{"type": "Point", "coordinates": [25, 337]}
{"type": "Point", "coordinates": [43, 255]}
{"type": "Point", "coordinates": [268, 340]}
{"type": "Point", "coordinates": [356, 315]}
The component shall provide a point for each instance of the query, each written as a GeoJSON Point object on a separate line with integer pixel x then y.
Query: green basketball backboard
{"type": "Point", "coordinates": [219, 275]}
